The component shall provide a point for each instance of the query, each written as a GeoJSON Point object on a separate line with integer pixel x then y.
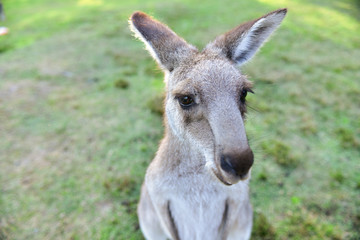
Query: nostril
{"type": "Point", "coordinates": [226, 165]}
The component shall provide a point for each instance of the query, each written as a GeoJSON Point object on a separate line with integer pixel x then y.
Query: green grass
{"type": "Point", "coordinates": [80, 116]}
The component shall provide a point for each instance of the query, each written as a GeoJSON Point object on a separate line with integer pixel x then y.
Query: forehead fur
{"type": "Point", "coordinates": [204, 71]}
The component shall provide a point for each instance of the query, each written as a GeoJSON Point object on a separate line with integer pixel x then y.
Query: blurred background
{"type": "Point", "coordinates": [81, 115]}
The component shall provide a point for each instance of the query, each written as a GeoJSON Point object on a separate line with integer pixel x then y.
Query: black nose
{"type": "Point", "coordinates": [237, 164]}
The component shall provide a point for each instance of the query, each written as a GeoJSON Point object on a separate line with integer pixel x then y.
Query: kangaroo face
{"type": "Point", "coordinates": [205, 102]}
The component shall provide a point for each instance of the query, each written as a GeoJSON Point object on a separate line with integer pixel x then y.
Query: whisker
{"type": "Point", "coordinates": [252, 108]}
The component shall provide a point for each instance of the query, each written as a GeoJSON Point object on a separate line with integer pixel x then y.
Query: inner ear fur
{"type": "Point", "coordinates": [241, 43]}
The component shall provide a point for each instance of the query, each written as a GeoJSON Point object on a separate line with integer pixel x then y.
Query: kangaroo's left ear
{"type": "Point", "coordinates": [167, 48]}
{"type": "Point", "coordinates": [241, 43]}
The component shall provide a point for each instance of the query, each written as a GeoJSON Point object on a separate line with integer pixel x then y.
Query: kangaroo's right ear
{"type": "Point", "coordinates": [164, 45]}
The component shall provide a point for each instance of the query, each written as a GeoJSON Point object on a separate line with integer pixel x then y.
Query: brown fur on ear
{"type": "Point", "coordinates": [167, 48]}
{"type": "Point", "coordinates": [242, 42]}
{"type": "Point", "coordinates": [152, 30]}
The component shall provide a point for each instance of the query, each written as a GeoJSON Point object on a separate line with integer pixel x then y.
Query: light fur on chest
{"type": "Point", "coordinates": [197, 207]}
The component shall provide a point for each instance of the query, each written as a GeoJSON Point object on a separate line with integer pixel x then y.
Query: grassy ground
{"type": "Point", "coordinates": [79, 116]}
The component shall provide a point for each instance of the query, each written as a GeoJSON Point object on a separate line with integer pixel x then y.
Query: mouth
{"type": "Point", "coordinates": [220, 177]}
{"type": "Point", "coordinates": [234, 179]}
{"type": "Point", "coordinates": [246, 176]}
{"type": "Point", "coordinates": [231, 179]}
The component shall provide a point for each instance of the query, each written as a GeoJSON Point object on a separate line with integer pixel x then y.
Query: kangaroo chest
{"type": "Point", "coordinates": [199, 217]}
{"type": "Point", "coordinates": [202, 209]}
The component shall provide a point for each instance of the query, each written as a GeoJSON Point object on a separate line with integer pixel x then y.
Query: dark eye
{"type": "Point", "coordinates": [243, 94]}
{"type": "Point", "coordinates": [186, 101]}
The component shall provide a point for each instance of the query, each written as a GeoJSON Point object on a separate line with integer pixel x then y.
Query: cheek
{"type": "Point", "coordinates": [175, 119]}
{"type": "Point", "coordinates": [195, 129]}
{"type": "Point", "coordinates": [200, 133]}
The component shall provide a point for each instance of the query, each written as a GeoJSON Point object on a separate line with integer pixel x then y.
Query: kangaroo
{"type": "Point", "coordinates": [196, 187]}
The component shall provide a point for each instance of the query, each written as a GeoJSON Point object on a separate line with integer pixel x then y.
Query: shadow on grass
{"type": "Point", "coordinates": [5, 45]}
{"type": "Point", "coordinates": [262, 228]}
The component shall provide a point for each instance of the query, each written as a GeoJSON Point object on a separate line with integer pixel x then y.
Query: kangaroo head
{"type": "Point", "coordinates": [206, 93]}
